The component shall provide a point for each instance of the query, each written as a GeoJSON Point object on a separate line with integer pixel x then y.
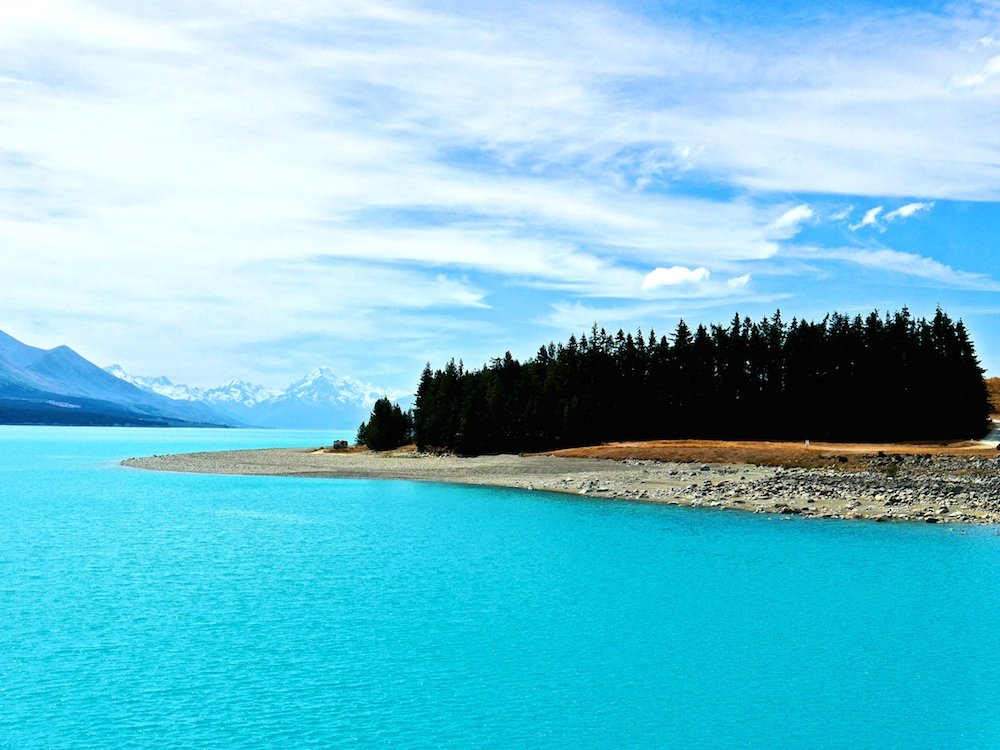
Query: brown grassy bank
{"type": "Point", "coordinates": [764, 453]}
{"type": "Point", "coordinates": [993, 386]}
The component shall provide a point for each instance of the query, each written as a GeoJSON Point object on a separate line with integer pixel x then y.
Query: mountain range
{"type": "Point", "coordinates": [58, 386]}
{"type": "Point", "coordinates": [320, 400]}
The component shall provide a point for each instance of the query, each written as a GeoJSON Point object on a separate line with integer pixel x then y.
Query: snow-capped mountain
{"type": "Point", "coordinates": [160, 385]}
{"type": "Point", "coordinates": [58, 386]}
{"type": "Point", "coordinates": [323, 385]}
{"type": "Point", "coordinates": [320, 400]}
{"type": "Point", "coordinates": [234, 392]}
{"type": "Point", "coordinates": [237, 392]}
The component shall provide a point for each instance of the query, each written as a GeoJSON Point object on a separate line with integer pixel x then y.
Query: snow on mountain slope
{"type": "Point", "coordinates": [238, 392]}
{"type": "Point", "coordinates": [322, 385]}
{"type": "Point", "coordinates": [320, 400]}
{"type": "Point", "coordinates": [160, 385]}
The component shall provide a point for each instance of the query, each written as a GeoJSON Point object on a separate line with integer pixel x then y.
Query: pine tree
{"type": "Point", "coordinates": [881, 377]}
{"type": "Point", "coordinates": [388, 427]}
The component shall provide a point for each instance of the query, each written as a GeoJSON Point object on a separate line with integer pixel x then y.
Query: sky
{"type": "Point", "coordinates": [245, 189]}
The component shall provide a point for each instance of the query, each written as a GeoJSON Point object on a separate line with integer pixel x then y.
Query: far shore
{"type": "Point", "coordinates": [934, 483]}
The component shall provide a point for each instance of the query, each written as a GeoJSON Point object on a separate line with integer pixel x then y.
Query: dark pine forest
{"type": "Point", "coordinates": [879, 377]}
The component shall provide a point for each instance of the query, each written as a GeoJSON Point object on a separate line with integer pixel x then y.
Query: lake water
{"type": "Point", "coordinates": [150, 610]}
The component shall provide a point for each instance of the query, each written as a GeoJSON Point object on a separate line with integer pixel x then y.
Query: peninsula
{"type": "Point", "coordinates": [751, 393]}
{"type": "Point", "coordinates": [953, 483]}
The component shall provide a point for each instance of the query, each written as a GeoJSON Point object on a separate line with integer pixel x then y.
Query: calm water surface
{"type": "Point", "coordinates": [151, 610]}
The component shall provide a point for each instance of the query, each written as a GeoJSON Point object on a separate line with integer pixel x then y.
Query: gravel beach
{"type": "Point", "coordinates": [932, 489]}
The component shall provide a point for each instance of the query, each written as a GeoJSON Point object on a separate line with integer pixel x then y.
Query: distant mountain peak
{"type": "Point", "coordinates": [238, 391]}
{"type": "Point", "coordinates": [318, 374]}
{"type": "Point", "coordinates": [160, 385]}
{"type": "Point", "coordinates": [16, 352]}
{"type": "Point", "coordinates": [320, 399]}
{"type": "Point", "coordinates": [323, 384]}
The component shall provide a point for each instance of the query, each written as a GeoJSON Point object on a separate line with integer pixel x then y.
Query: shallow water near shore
{"type": "Point", "coordinates": [161, 610]}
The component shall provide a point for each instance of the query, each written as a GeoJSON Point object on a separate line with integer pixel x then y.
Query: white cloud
{"type": "Point", "coordinates": [524, 145]}
{"type": "Point", "coordinates": [738, 282]}
{"type": "Point", "coordinates": [788, 223]}
{"type": "Point", "coordinates": [905, 212]}
{"type": "Point", "coordinates": [577, 316]}
{"type": "Point", "coordinates": [673, 276]}
{"type": "Point", "coordinates": [905, 264]}
{"type": "Point", "coordinates": [876, 218]}
{"type": "Point", "coordinates": [926, 268]}
{"type": "Point", "coordinates": [693, 284]}
{"type": "Point", "coordinates": [980, 78]}
{"type": "Point", "coordinates": [870, 218]}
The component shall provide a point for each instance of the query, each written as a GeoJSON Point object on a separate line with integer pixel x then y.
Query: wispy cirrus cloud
{"type": "Point", "coordinates": [870, 219]}
{"type": "Point", "coordinates": [563, 150]}
{"type": "Point", "coordinates": [905, 212]}
{"type": "Point", "coordinates": [788, 224]}
{"type": "Point", "coordinates": [979, 78]}
{"type": "Point", "coordinates": [877, 217]}
{"type": "Point", "coordinates": [903, 264]}
{"type": "Point", "coordinates": [580, 316]}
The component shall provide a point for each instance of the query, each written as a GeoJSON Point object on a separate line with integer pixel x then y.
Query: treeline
{"type": "Point", "coordinates": [890, 377]}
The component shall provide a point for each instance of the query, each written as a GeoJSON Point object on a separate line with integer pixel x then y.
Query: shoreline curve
{"type": "Point", "coordinates": [938, 489]}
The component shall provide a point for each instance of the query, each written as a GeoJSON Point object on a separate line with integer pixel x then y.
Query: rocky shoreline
{"type": "Point", "coordinates": [933, 489]}
{"type": "Point", "coordinates": [926, 488]}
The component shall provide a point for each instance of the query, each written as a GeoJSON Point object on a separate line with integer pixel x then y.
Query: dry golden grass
{"type": "Point", "coordinates": [401, 451]}
{"type": "Point", "coordinates": [764, 453]}
{"type": "Point", "coordinates": [761, 453]}
{"type": "Point", "coordinates": [993, 386]}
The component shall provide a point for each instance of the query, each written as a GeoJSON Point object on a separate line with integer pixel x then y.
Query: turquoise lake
{"type": "Point", "coordinates": [151, 610]}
